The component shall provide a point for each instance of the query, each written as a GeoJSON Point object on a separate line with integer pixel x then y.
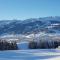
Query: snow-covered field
{"type": "Point", "coordinates": [39, 54]}
{"type": "Point", "coordinates": [31, 37]}
{"type": "Point", "coordinates": [30, 54]}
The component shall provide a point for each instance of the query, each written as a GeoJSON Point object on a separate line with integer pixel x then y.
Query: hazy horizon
{"type": "Point", "coordinates": [25, 9]}
{"type": "Point", "coordinates": [32, 18]}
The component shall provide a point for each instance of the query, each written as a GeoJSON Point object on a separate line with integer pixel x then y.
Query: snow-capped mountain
{"type": "Point", "coordinates": [28, 26]}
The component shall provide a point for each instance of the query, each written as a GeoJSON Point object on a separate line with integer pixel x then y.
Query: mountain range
{"type": "Point", "coordinates": [32, 25]}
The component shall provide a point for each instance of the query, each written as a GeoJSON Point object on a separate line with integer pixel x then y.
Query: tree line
{"type": "Point", "coordinates": [41, 44]}
{"type": "Point", "coordinates": [5, 45]}
{"type": "Point", "coordinates": [44, 44]}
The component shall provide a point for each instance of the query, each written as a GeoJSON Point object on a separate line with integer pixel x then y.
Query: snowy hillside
{"type": "Point", "coordinates": [28, 26]}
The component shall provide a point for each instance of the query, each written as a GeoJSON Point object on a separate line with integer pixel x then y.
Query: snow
{"type": "Point", "coordinates": [23, 45]}
{"type": "Point", "coordinates": [39, 54]}
{"type": "Point", "coordinates": [55, 58]}
{"type": "Point", "coordinates": [30, 37]}
{"type": "Point", "coordinates": [30, 54]}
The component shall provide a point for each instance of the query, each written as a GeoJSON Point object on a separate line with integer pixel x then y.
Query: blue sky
{"type": "Point", "coordinates": [24, 9]}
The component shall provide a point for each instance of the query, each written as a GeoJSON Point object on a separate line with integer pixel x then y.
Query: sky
{"type": "Point", "coordinates": [25, 9]}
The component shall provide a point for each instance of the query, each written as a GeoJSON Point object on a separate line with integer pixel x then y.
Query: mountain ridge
{"type": "Point", "coordinates": [32, 25]}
